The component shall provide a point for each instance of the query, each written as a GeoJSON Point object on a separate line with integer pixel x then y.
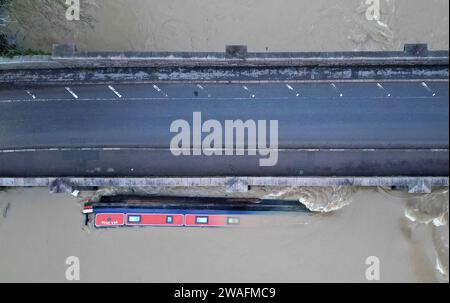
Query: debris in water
{"type": "Point", "coordinates": [433, 208]}
{"type": "Point", "coordinates": [440, 237]}
{"type": "Point", "coordinates": [429, 208]}
{"type": "Point", "coordinates": [317, 199]}
{"type": "Point", "coordinates": [373, 34]}
{"type": "Point", "coordinates": [326, 199]}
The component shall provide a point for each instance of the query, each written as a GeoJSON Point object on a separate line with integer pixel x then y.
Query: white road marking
{"type": "Point", "coordinates": [71, 92]}
{"type": "Point", "coordinates": [297, 94]}
{"type": "Point", "coordinates": [115, 91]}
{"type": "Point", "coordinates": [204, 89]}
{"type": "Point", "coordinates": [385, 90]}
{"type": "Point", "coordinates": [159, 90]}
{"type": "Point", "coordinates": [247, 89]}
{"type": "Point", "coordinates": [337, 90]}
{"type": "Point", "coordinates": [180, 98]}
{"type": "Point", "coordinates": [31, 95]}
{"type": "Point", "coordinates": [428, 89]}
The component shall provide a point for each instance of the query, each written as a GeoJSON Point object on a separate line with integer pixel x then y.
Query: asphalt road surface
{"type": "Point", "coordinates": [375, 122]}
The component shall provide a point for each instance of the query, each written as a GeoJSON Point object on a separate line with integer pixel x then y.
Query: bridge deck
{"type": "Point", "coordinates": [326, 128]}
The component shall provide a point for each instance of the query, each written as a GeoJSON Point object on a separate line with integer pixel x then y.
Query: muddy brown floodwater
{"type": "Point", "coordinates": [263, 25]}
{"type": "Point", "coordinates": [40, 230]}
{"type": "Point", "coordinates": [408, 234]}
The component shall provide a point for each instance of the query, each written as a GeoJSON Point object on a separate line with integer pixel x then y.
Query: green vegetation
{"type": "Point", "coordinates": [21, 17]}
{"type": "Point", "coordinates": [14, 51]}
{"type": "Point", "coordinates": [10, 50]}
{"type": "Point", "coordinates": [18, 11]}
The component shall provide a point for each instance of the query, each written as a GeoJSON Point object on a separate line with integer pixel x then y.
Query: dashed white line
{"type": "Point", "coordinates": [204, 89]}
{"type": "Point", "coordinates": [382, 88]}
{"type": "Point", "coordinates": [115, 91]}
{"type": "Point", "coordinates": [31, 95]}
{"type": "Point", "coordinates": [428, 89]}
{"type": "Point", "coordinates": [173, 98]}
{"type": "Point", "coordinates": [71, 92]}
{"type": "Point", "coordinates": [337, 90]}
{"type": "Point", "coordinates": [159, 90]}
{"type": "Point", "coordinates": [297, 94]}
{"type": "Point", "coordinates": [247, 89]}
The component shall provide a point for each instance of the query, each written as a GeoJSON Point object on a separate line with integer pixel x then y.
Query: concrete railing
{"type": "Point", "coordinates": [66, 64]}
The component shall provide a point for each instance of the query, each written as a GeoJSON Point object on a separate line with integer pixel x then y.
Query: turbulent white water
{"type": "Point", "coordinates": [433, 209]}
{"type": "Point", "coordinates": [430, 211]}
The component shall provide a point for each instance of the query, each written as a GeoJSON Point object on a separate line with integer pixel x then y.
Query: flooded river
{"type": "Point", "coordinates": [209, 25]}
{"type": "Point", "coordinates": [409, 235]}
{"type": "Point", "coordinates": [38, 231]}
